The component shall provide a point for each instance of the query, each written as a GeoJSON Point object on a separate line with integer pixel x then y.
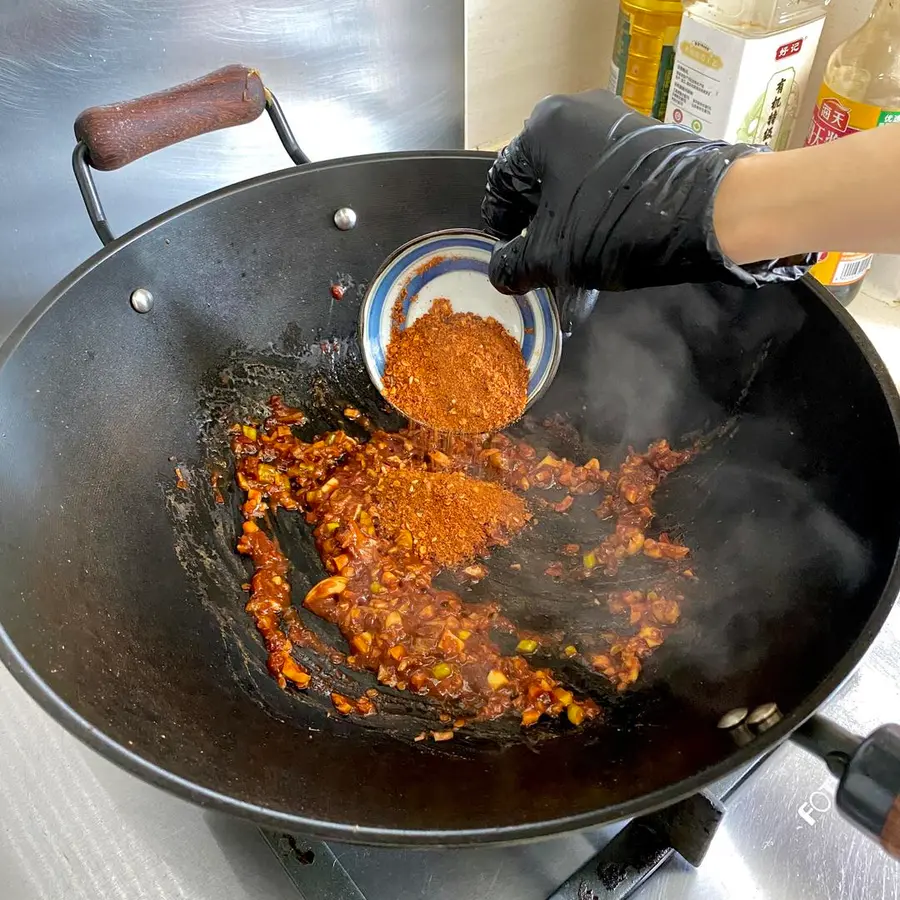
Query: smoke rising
{"type": "Point", "coordinates": [764, 517]}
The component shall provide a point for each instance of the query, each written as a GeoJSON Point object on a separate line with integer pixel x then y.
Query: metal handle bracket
{"type": "Point", "coordinates": [81, 164]}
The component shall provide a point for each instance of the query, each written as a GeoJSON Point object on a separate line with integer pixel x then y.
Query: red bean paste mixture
{"type": "Point", "coordinates": [390, 512]}
{"type": "Point", "coordinates": [455, 372]}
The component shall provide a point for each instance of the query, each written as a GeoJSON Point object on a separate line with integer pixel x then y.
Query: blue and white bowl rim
{"type": "Point", "coordinates": [544, 297]}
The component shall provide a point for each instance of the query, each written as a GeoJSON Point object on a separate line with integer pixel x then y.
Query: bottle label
{"type": "Point", "coordinates": [619, 62]}
{"type": "Point", "coordinates": [663, 81]}
{"type": "Point", "coordinates": [740, 87]}
{"type": "Point", "coordinates": [836, 116]}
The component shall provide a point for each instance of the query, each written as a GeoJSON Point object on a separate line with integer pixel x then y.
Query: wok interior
{"type": "Point", "coordinates": [123, 594]}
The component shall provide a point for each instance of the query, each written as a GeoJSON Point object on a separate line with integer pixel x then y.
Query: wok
{"type": "Point", "coordinates": [122, 605]}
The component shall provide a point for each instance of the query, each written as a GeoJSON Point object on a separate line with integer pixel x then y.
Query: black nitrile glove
{"type": "Point", "coordinates": [612, 200]}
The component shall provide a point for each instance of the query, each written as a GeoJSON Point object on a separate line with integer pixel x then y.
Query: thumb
{"type": "Point", "coordinates": [510, 270]}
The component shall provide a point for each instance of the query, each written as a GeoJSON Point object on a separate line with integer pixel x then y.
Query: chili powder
{"type": "Point", "coordinates": [449, 517]}
{"type": "Point", "coordinates": [456, 372]}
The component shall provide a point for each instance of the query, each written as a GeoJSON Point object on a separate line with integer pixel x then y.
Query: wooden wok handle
{"type": "Point", "coordinates": [120, 133]}
{"type": "Point", "coordinates": [869, 791]}
{"type": "Point", "coordinates": [890, 834]}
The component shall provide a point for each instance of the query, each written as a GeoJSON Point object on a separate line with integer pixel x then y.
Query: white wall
{"type": "Point", "coordinates": [518, 51]}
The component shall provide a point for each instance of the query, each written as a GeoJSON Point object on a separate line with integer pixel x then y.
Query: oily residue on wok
{"type": "Point", "coordinates": [383, 511]}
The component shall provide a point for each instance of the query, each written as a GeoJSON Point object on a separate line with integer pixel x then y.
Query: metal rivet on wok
{"type": "Point", "coordinates": [345, 218]}
{"type": "Point", "coordinates": [732, 718]}
{"type": "Point", "coordinates": [735, 723]}
{"type": "Point", "coordinates": [141, 300]}
{"type": "Point", "coordinates": [764, 717]}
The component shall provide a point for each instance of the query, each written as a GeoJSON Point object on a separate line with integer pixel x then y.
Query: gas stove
{"type": "Point", "coordinates": [600, 864]}
{"type": "Point", "coordinates": [75, 826]}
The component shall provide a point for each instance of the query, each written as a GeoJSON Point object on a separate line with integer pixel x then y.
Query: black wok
{"type": "Point", "coordinates": [122, 604]}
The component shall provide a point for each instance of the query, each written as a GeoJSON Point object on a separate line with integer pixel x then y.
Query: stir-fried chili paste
{"type": "Point", "coordinates": [456, 372]}
{"type": "Point", "coordinates": [630, 504]}
{"type": "Point", "coordinates": [388, 513]}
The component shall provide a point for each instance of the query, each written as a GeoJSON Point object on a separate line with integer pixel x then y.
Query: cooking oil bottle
{"type": "Point", "coordinates": [860, 89]}
{"type": "Point", "coordinates": [644, 52]}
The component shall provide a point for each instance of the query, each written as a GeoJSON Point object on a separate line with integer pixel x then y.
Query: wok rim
{"type": "Point", "coordinates": [270, 818]}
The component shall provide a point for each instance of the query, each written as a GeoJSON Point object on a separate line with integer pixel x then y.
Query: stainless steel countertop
{"type": "Point", "coordinates": [75, 826]}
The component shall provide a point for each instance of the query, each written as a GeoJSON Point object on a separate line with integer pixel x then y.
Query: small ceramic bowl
{"type": "Point", "coordinates": [454, 264]}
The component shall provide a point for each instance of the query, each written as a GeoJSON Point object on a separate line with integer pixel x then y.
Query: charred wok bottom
{"type": "Point", "coordinates": [389, 513]}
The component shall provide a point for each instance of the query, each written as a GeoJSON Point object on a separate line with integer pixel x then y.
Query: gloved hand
{"type": "Point", "coordinates": [612, 200]}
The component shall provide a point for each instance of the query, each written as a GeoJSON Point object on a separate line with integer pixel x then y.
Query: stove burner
{"type": "Point", "coordinates": [624, 861]}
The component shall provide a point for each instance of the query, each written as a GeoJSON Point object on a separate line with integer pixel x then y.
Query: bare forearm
{"type": "Point", "coordinates": [837, 196]}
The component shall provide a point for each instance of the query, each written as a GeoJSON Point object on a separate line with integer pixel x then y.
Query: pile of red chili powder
{"type": "Point", "coordinates": [456, 372]}
{"type": "Point", "coordinates": [448, 517]}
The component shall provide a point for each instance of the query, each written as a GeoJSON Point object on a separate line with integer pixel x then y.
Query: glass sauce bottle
{"type": "Point", "coordinates": [860, 89]}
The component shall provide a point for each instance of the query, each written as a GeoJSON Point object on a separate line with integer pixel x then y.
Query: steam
{"type": "Point", "coordinates": [773, 561]}
{"type": "Point", "coordinates": [771, 553]}
{"type": "Point", "coordinates": [668, 362]}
